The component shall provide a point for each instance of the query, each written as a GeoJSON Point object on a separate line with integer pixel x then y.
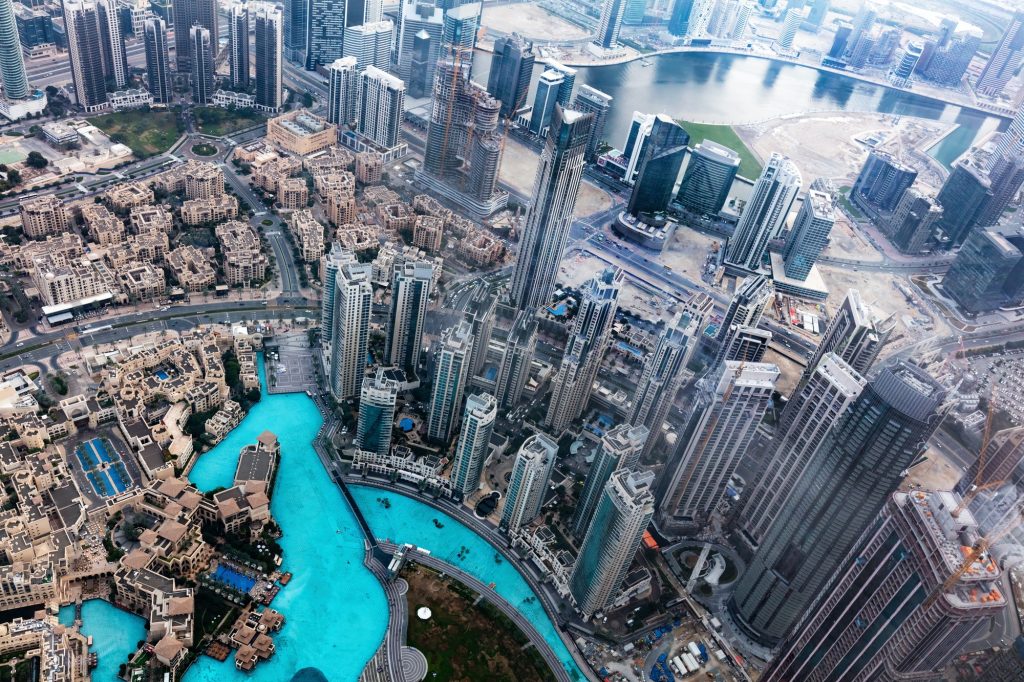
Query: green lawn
{"type": "Point", "coordinates": [217, 122]}
{"type": "Point", "coordinates": [726, 136]}
{"type": "Point", "coordinates": [147, 133]}
{"type": "Point", "coordinates": [203, 149]}
{"type": "Point", "coordinates": [844, 200]}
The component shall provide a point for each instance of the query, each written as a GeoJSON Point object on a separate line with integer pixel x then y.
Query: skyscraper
{"type": "Point", "coordinates": [659, 165]}
{"type": "Point", "coordinates": [530, 475]}
{"type": "Point", "coordinates": [202, 60]}
{"type": "Point", "coordinates": [376, 413]}
{"type": "Point", "coordinates": [115, 62]}
{"type": "Point", "coordinates": [809, 235]}
{"type": "Point", "coordinates": [158, 69]}
{"type": "Point", "coordinates": [745, 344]}
{"type": "Point", "coordinates": [904, 68]}
{"type": "Point", "coordinates": [511, 70]}
{"type": "Point", "coordinates": [568, 81]}
{"type": "Point", "coordinates": [620, 448]}
{"type": "Point", "coordinates": [295, 17]}
{"type": "Point", "coordinates": [189, 13]}
{"type": "Point", "coordinates": [988, 272]}
{"type": "Point", "coordinates": [474, 443]}
{"type": "Point", "coordinates": [337, 257]}
{"type": "Point", "coordinates": [238, 46]}
{"type": "Point", "coordinates": [634, 12]}
{"type": "Point", "coordinates": [410, 291]}
{"type": "Point", "coordinates": [419, 70]}
{"type": "Point", "coordinates": [886, 612]}
{"type": "Point", "coordinates": [679, 20]}
{"type": "Point", "coordinates": [451, 370]}
{"type": "Point", "coordinates": [746, 307]}
{"type": "Point", "coordinates": [591, 101]}
{"type": "Point", "coordinates": [370, 44]}
{"type": "Point", "coordinates": [588, 340]}
{"type": "Point", "coordinates": [517, 359]}
{"type": "Point", "coordinates": [555, 188]}
{"type": "Point", "coordinates": [856, 468]}
{"type": "Point", "coordinates": [636, 140]}
{"type": "Point", "coordinates": [325, 30]}
{"type": "Point", "coordinates": [544, 100]}
{"type": "Point", "coordinates": [791, 24]}
{"type": "Point", "coordinates": [1006, 176]}
{"type": "Point", "coordinates": [964, 192]}
{"type": "Point", "coordinates": [663, 374]}
{"type": "Point", "coordinates": [815, 409]}
{"type": "Point", "coordinates": [269, 49]}
{"type": "Point", "coordinates": [1005, 59]}
{"type": "Point", "coordinates": [81, 20]}
{"type": "Point", "coordinates": [343, 91]}
{"type": "Point", "coordinates": [947, 63]}
{"type": "Point", "coordinates": [12, 63]}
{"type": "Point", "coordinates": [461, 24]}
{"type": "Point", "coordinates": [912, 226]}
{"type": "Point", "coordinates": [610, 23]}
{"type": "Point", "coordinates": [352, 301]}
{"type": "Point", "coordinates": [708, 178]}
{"type": "Point", "coordinates": [417, 17]}
{"type": "Point", "coordinates": [619, 521]}
{"type": "Point", "coordinates": [765, 214]}
{"type": "Point", "coordinates": [715, 439]}
{"type": "Point", "coordinates": [882, 181]}
{"type": "Point", "coordinates": [856, 333]}
{"type": "Point", "coordinates": [381, 107]}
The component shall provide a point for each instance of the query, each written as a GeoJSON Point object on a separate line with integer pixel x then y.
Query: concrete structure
{"type": "Point", "coordinates": [351, 303]}
{"type": "Point", "coordinates": [613, 537]}
{"type": "Point", "coordinates": [43, 215]}
{"type": "Point", "coordinates": [555, 189]}
{"type": "Point", "coordinates": [590, 100]}
{"type": "Point", "coordinates": [369, 44]}
{"type": "Point", "coordinates": [856, 333]}
{"type": "Point", "coordinates": [238, 46]}
{"type": "Point", "coordinates": [474, 443]}
{"type": "Point", "coordinates": [904, 69]}
{"type": "Point", "coordinates": [746, 344]}
{"type": "Point", "coordinates": [410, 291]}
{"type": "Point", "coordinates": [716, 438]}
{"type": "Point", "coordinates": [584, 350]}
{"type": "Point", "coordinates": [809, 235]}
{"type": "Point", "coordinates": [301, 132]}
{"type": "Point", "coordinates": [85, 52]}
{"type": "Point", "coordinates": [343, 91]}
{"type": "Point", "coordinates": [376, 413]}
{"type": "Point", "coordinates": [530, 475]}
{"type": "Point", "coordinates": [745, 308]}
{"type": "Point", "coordinates": [610, 23]}
{"type": "Point", "coordinates": [158, 69]}
{"type": "Point", "coordinates": [620, 448]}
{"type": "Point", "coordinates": [708, 178]}
{"type": "Point", "coordinates": [516, 359]}
{"type": "Point", "coordinates": [765, 214]}
{"type": "Point", "coordinates": [855, 470]}
{"type": "Point", "coordinates": [451, 371]}
{"type": "Point", "coordinates": [1005, 59]}
{"type": "Point", "coordinates": [381, 107]}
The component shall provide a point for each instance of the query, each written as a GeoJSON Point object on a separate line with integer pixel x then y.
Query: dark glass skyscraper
{"type": "Point", "coordinates": [202, 60]}
{"type": "Point", "coordinates": [158, 70]}
{"type": "Point", "coordinates": [850, 476]}
{"type": "Point", "coordinates": [679, 22]}
{"type": "Point", "coordinates": [962, 195]}
{"type": "Point", "coordinates": [189, 13]}
{"type": "Point", "coordinates": [882, 181]}
{"type": "Point", "coordinates": [659, 166]}
{"type": "Point", "coordinates": [708, 178]}
{"type": "Point", "coordinates": [325, 30]}
{"type": "Point", "coordinates": [988, 272]}
{"type": "Point", "coordinates": [511, 71]}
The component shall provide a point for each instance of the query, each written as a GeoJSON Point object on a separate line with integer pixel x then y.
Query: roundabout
{"type": "Point", "coordinates": [204, 149]}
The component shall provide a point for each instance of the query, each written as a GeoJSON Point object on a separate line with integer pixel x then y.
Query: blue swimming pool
{"type": "Point", "coordinates": [405, 424]}
{"type": "Point", "coordinates": [115, 634]}
{"type": "Point", "coordinates": [234, 579]}
{"type": "Point", "coordinates": [107, 482]}
{"type": "Point", "coordinates": [162, 375]}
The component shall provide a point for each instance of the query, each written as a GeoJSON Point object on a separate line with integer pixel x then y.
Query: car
{"type": "Point", "coordinates": [20, 344]}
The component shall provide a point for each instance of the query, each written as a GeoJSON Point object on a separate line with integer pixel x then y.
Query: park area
{"type": "Point", "coordinates": [464, 639]}
{"type": "Point", "coordinates": [750, 167]}
{"type": "Point", "coordinates": [146, 132]}
{"type": "Point", "coordinates": [218, 122]}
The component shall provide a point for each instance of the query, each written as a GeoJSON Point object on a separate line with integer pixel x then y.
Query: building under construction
{"type": "Point", "coordinates": [464, 140]}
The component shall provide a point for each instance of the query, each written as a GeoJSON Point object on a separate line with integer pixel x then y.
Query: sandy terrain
{"type": "Point", "coordinates": [532, 22]}
{"type": "Point", "coordinates": [519, 168]}
{"type": "Point", "coordinates": [576, 270]}
{"type": "Point", "coordinates": [790, 375]}
{"type": "Point", "coordinates": [687, 252]}
{"type": "Point", "coordinates": [845, 241]}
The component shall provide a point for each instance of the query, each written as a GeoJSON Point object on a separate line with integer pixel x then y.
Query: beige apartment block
{"type": "Point", "coordinates": [301, 132]}
{"type": "Point", "coordinates": [369, 168]}
{"type": "Point", "coordinates": [130, 195]}
{"type": "Point", "coordinates": [309, 235]}
{"type": "Point", "coordinates": [427, 233]}
{"type": "Point", "coordinates": [191, 269]}
{"type": "Point", "coordinates": [244, 260]}
{"type": "Point", "coordinates": [43, 215]}
{"type": "Point", "coordinates": [203, 211]}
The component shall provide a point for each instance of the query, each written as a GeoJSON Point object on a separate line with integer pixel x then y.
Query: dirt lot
{"type": "Point", "coordinates": [532, 21]}
{"type": "Point", "coordinates": [519, 168]}
{"type": "Point", "coordinates": [847, 242]}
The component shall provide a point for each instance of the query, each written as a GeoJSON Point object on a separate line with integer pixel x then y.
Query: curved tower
{"type": "Point", "coordinates": [12, 64]}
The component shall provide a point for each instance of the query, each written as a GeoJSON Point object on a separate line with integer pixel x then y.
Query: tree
{"type": "Point", "coordinates": [36, 160]}
{"type": "Point", "coordinates": [307, 100]}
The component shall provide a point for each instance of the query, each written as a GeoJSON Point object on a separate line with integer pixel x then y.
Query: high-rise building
{"type": "Point", "coordinates": [816, 16]}
{"type": "Point", "coordinates": [815, 409]}
{"type": "Point", "coordinates": [947, 64]}
{"type": "Point", "coordinates": [202, 61]}
{"type": "Point", "coordinates": [115, 61]}
{"type": "Point", "coordinates": [634, 13]}
{"type": "Point", "coordinates": [410, 291]}
{"type": "Point", "coordinates": [480, 315]}
{"type": "Point", "coordinates": [419, 71]}
{"type": "Point", "coordinates": [619, 521]}
{"type": "Point", "coordinates": [988, 272]}
{"type": "Point", "coordinates": [417, 17]}
{"type": "Point", "coordinates": [856, 333]}
{"type": "Point", "coordinates": [599, 299]}
{"type": "Point", "coordinates": [1005, 59]}
{"type": "Point", "coordinates": [238, 46]}
{"type": "Point", "coordinates": [451, 370]}
{"type": "Point", "coordinates": [158, 68]}
{"type": "Point", "coordinates": [708, 178]}
{"type": "Point", "coordinates": [765, 214]}
{"type": "Point", "coordinates": [888, 612]}
{"type": "Point", "coordinates": [841, 42]}
{"type": "Point", "coordinates": [882, 181]}
{"type": "Point", "coordinates": [592, 101]}
{"type": "Point", "coordinates": [461, 25]}
{"type": "Point", "coordinates": [565, 90]}
{"type": "Point", "coordinates": [81, 20]}
{"type": "Point", "coordinates": [555, 188]}
{"type": "Point", "coordinates": [474, 443]}
{"type": "Point", "coordinates": [351, 301]}
{"type": "Point", "coordinates": [544, 100]}
{"type": "Point", "coordinates": [325, 29]}
{"type": "Point", "coordinates": [517, 359]}
{"type": "Point", "coordinates": [189, 13]}
{"type": "Point", "coordinates": [746, 307]}
{"type": "Point", "coordinates": [269, 50]}
{"type": "Point", "coordinates": [809, 235]}
{"type": "Point", "coordinates": [659, 166]}
{"type": "Point", "coordinates": [790, 25]}
{"type": "Point", "coordinates": [912, 226]}
{"type": "Point", "coordinates": [679, 19]}
{"type": "Point", "coordinates": [343, 91]}
{"type": "Point", "coordinates": [846, 483]}
{"type": "Point", "coordinates": [377, 399]}
{"type": "Point", "coordinates": [700, 18]}
{"type": "Point", "coordinates": [511, 70]}
{"type": "Point", "coordinates": [530, 475]}
{"type": "Point", "coordinates": [296, 13]}
{"type": "Point", "coordinates": [1006, 176]}
{"type": "Point", "coordinates": [663, 375]}
{"type": "Point", "coordinates": [12, 63]}
{"type": "Point", "coordinates": [716, 438]}
{"type": "Point", "coordinates": [904, 68]}
{"type": "Point", "coordinates": [610, 23]}
{"type": "Point", "coordinates": [636, 139]}
{"type": "Point", "coordinates": [964, 192]}
{"type": "Point", "coordinates": [620, 448]}
{"type": "Point", "coordinates": [745, 344]}
{"type": "Point", "coordinates": [370, 44]}
{"type": "Point", "coordinates": [381, 107]}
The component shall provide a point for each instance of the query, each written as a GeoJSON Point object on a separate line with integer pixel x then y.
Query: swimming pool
{"type": "Point", "coordinates": [115, 634]}
{"type": "Point", "coordinates": [233, 579]}
{"type": "Point", "coordinates": [162, 375]}
{"type": "Point", "coordinates": [107, 482]}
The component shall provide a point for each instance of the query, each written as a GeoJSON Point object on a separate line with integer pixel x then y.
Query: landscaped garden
{"type": "Point", "coordinates": [145, 131]}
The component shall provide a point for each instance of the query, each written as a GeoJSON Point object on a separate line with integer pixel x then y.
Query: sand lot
{"type": "Point", "coordinates": [532, 21]}
{"type": "Point", "coordinates": [519, 169]}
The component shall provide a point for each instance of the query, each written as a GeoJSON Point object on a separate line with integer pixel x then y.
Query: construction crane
{"type": "Point", "coordinates": [977, 485]}
{"type": "Point", "coordinates": [974, 554]}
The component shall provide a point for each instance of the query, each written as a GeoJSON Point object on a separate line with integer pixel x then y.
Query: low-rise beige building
{"type": "Point", "coordinates": [309, 236]}
{"type": "Point", "coordinates": [61, 280]}
{"type": "Point", "coordinates": [301, 132]}
{"type": "Point", "coordinates": [105, 227]}
{"type": "Point", "coordinates": [244, 260]}
{"type": "Point", "coordinates": [143, 281]}
{"type": "Point", "coordinates": [150, 218]}
{"type": "Point", "coordinates": [191, 269]}
{"type": "Point", "coordinates": [292, 194]}
{"type": "Point", "coordinates": [43, 215]}
{"type": "Point", "coordinates": [369, 168]}
{"type": "Point", "coordinates": [340, 207]}
{"type": "Point", "coordinates": [212, 210]}
{"type": "Point", "coordinates": [127, 196]}
{"type": "Point", "coordinates": [427, 233]}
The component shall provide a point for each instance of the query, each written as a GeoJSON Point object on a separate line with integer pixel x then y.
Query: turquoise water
{"type": "Point", "coordinates": [408, 520]}
{"type": "Point", "coordinates": [115, 634]}
{"type": "Point", "coordinates": [336, 611]}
